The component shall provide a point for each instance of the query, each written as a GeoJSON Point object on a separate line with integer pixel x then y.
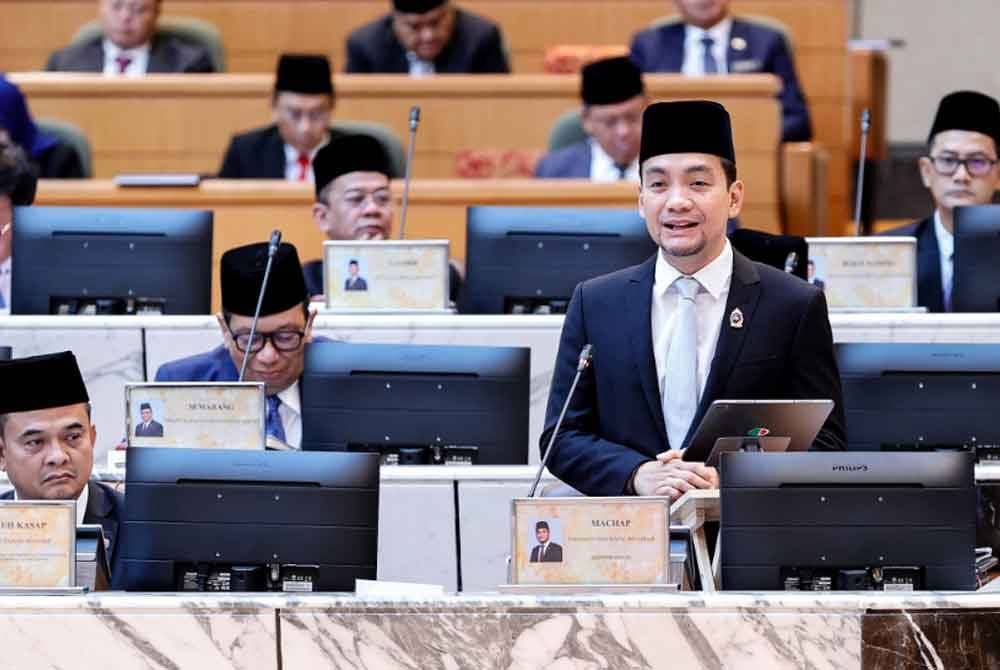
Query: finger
{"type": "Point", "coordinates": [669, 455]}
{"type": "Point", "coordinates": [691, 478]}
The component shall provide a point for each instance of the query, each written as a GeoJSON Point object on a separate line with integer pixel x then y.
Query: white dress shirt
{"type": "Point", "coordinates": [81, 503]}
{"type": "Point", "coordinates": [5, 286]}
{"type": "Point", "coordinates": [139, 57]}
{"type": "Point", "coordinates": [694, 50]}
{"type": "Point", "coordinates": [715, 279]}
{"type": "Point", "coordinates": [292, 166]}
{"type": "Point", "coordinates": [946, 250]}
{"type": "Point", "coordinates": [418, 66]}
{"type": "Point", "coordinates": [290, 411]}
{"type": "Point", "coordinates": [603, 168]}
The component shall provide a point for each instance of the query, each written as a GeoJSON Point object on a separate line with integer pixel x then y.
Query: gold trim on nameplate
{"type": "Point", "coordinates": [590, 541]}
{"type": "Point", "coordinates": [37, 544]}
{"type": "Point", "coordinates": [204, 415]}
{"type": "Point", "coordinates": [386, 275]}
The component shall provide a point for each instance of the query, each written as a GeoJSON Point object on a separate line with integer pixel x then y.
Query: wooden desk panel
{"type": "Point", "coordinates": [247, 211]}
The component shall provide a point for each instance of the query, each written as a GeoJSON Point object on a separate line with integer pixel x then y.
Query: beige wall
{"type": "Point", "coordinates": [950, 45]}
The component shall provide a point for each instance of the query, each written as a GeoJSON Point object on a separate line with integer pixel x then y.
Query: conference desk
{"type": "Point", "coordinates": [693, 631]}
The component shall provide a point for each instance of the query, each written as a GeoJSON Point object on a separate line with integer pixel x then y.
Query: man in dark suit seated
{"type": "Point", "coordinates": [130, 45]}
{"type": "Point", "coordinates": [423, 37]}
{"type": "Point", "coordinates": [301, 107]}
{"type": "Point", "coordinates": [277, 351]}
{"type": "Point", "coordinates": [149, 427]}
{"type": "Point", "coordinates": [960, 169]}
{"type": "Point", "coordinates": [17, 189]}
{"type": "Point", "coordinates": [354, 282]}
{"type": "Point", "coordinates": [708, 41]}
{"type": "Point", "coordinates": [353, 201]}
{"type": "Point", "coordinates": [47, 440]}
{"type": "Point", "coordinates": [545, 551]}
{"type": "Point", "coordinates": [613, 99]}
{"type": "Point", "coordinates": [695, 323]}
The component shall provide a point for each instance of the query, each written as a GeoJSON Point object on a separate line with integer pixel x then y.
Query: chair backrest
{"type": "Point", "coordinates": [385, 135]}
{"type": "Point", "coordinates": [567, 130]}
{"type": "Point", "coordinates": [767, 21]}
{"type": "Point", "coordinates": [72, 136]}
{"type": "Point", "coordinates": [185, 28]}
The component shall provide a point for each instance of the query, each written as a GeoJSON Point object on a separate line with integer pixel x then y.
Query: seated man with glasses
{"type": "Point", "coordinates": [301, 107]}
{"type": "Point", "coordinates": [960, 169]}
{"type": "Point", "coordinates": [277, 350]}
{"type": "Point", "coordinates": [613, 100]}
{"type": "Point", "coordinates": [353, 199]}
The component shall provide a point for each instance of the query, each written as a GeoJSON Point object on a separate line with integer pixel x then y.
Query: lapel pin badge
{"type": "Point", "coordinates": [738, 43]}
{"type": "Point", "coordinates": [736, 318]}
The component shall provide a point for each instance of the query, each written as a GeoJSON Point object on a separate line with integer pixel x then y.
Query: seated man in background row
{"type": "Point", "coordinates": [301, 107]}
{"type": "Point", "coordinates": [353, 200]}
{"type": "Point", "coordinates": [53, 159]}
{"type": "Point", "coordinates": [130, 45]}
{"type": "Point", "coordinates": [423, 37]}
{"type": "Point", "coordinates": [47, 440]}
{"type": "Point", "coordinates": [277, 352]}
{"type": "Point", "coordinates": [17, 188]}
{"type": "Point", "coordinates": [960, 169]}
{"type": "Point", "coordinates": [709, 41]}
{"type": "Point", "coordinates": [613, 99]}
{"type": "Point", "coordinates": [696, 322]}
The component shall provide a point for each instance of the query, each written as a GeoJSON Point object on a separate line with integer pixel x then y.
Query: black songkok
{"type": "Point", "coordinates": [686, 127]}
{"type": "Point", "coordinates": [304, 73]}
{"type": "Point", "coordinates": [351, 153]}
{"type": "Point", "coordinates": [968, 110]}
{"type": "Point", "coordinates": [416, 6]}
{"type": "Point", "coordinates": [242, 273]}
{"type": "Point", "coordinates": [41, 382]}
{"type": "Point", "coordinates": [610, 81]}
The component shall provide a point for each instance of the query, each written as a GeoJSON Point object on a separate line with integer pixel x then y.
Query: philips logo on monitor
{"type": "Point", "coordinates": [850, 468]}
{"type": "Point", "coordinates": [758, 432]}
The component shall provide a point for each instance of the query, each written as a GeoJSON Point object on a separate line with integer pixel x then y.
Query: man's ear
{"type": "Point", "coordinates": [925, 166]}
{"type": "Point", "coordinates": [309, 324]}
{"type": "Point", "coordinates": [224, 327]}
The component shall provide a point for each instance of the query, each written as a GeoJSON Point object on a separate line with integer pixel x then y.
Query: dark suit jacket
{"type": "Point", "coordinates": [930, 289]}
{"type": "Point", "coordinates": [662, 50]}
{"type": "Point", "coordinates": [313, 271]}
{"type": "Point", "coordinates": [572, 162]}
{"type": "Point", "coordinates": [166, 54]}
{"type": "Point", "coordinates": [155, 430]}
{"type": "Point", "coordinates": [552, 555]}
{"type": "Point", "coordinates": [359, 284]}
{"type": "Point", "coordinates": [104, 506]}
{"type": "Point", "coordinates": [59, 161]}
{"type": "Point", "coordinates": [258, 154]}
{"type": "Point", "coordinates": [615, 420]}
{"type": "Point", "coordinates": [476, 47]}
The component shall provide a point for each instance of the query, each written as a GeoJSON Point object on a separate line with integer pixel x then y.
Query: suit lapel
{"type": "Point", "coordinates": [744, 294]}
{"type": "Point", "coordinates": [93, 57]}
{"type": "Point", "coordinates": [673, 54]}
{"type": "Point", "coordinates": [275, 153]}
{"type": "Point", "coordinates": [159, 57]}
{"type": "Point", "coordinates": [100, 509]}
{"type": "Point", "coordinates": [930, 292]}
{"type": "Point", "coordinates": [738, 34]}
{"type": "Point", "coordinates": [586, 158]}
{"type": "Point", "coordinates": [640, 299]}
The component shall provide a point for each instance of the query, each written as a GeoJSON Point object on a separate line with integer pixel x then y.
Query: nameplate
{"type": "Point", "coordinates": [386, 275]}
{"type": "Point", "coordinates": [865, 273]}
{"type": "Point", "coordinates": [202, 415]}
{"type": "Point", "coordinates": [37, 544]}
{"type": "Point", "coordinates": [595, 541]}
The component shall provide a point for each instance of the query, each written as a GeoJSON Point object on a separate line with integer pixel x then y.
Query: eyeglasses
{"type": "Point", "coordinates": [355, 199]}
{"type": "Point", "coordinates": [977, 166]}
{"type": "Point", "coordinates": [282, 340]}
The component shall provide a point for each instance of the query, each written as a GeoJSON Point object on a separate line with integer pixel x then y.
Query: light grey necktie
{"type": "Point", "coordinates": [680, 393]}
{"type": "Point", "coordinates": [708, 62]}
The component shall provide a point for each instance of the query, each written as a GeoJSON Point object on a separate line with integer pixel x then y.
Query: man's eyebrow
{"type": "Point", "coordinates": [30, 432]}
{"type": "Point", "coordinates": [697, 168]}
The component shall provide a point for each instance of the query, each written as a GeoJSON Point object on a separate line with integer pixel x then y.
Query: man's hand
{"type": "Point", "coordinates": [670, 475]}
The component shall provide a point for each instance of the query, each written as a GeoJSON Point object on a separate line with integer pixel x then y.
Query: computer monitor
{"type": "Point", "coordinates": [418, 404]}
{"type": "Point", "coordinates": [97, 260]}
{"type": "Point", "coordinates": [529, 259]}
{"type": "Point", "coordinates": [976, 280]}
{"type": "Point", "coordinates": [225, 519]}
{"type": "Point", "coordinates": [840, 521]}
{"type": "Point", "coordinates": [921, 397]}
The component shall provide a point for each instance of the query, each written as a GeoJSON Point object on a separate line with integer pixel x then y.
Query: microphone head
{"type": "Point", "coordinates": [414, 116]}
{"type": "Point", "coordinates": [275, 242]}
{"type": "Point", "coordinates": [866, 119]}
{"type": "Point", "coordinates": [586, 354]}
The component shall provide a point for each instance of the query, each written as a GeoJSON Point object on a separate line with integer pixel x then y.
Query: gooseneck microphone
{"type": "Point", "coordinates": [414, 122]}
{"type": "Point", "coordinates": [586, 355]}
{"type": "Point", "coordinates": [272, 249]}
{"type": "Point", "coordinates": [866, 124]}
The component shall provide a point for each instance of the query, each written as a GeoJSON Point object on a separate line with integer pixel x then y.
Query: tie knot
{"type": "Point", "coordinates": [708, 41]}
{"type": "Point", "coordinates": [273, 402]}
{"type": "Point", "coordinates": [304, 160]}
{"type": "Point", "coordinates": [687, 286]}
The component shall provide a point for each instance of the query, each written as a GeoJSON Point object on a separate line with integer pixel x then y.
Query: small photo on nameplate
{"type": "Point", "coordinates": [386, 275]}
{"type": "Point", "coordinates": [590, 541]}
{"type": "Point", "coordinates": [203, 415]}
{"type": "Point", "coordinates": [37, 544]}
{"type": "Point", "coordinates": [865, 273]}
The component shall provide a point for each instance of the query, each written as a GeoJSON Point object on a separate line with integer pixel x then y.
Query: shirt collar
{"type": "Point", "coordinates": [601, 156]}
{"type": "Point", "coordinates": [81, 503]}
{"type": "Point", "coordinates": [113, 50]}
{"type": "Point", "coordinates": [719, 32]}
{"type": "Point", "coordinates": [5, 266]}
{"type": "Point", "coordinates": [292, 154]}
{"type": "Point", "coordinates": [714, 277]}
{"type": "Point", "coordinates": [945, 240]}
{"type": "Point", "coordinates": [290, 398]}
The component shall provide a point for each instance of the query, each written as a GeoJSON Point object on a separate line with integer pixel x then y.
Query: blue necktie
{"type": "Point", "coordinates": [680, 393]}
{"type": "Point", "coordinates": [3, 303]}
{"type": "Point", "coordinates": [274, 427]}
{"type": "Point", "coordinates": [709, 64]}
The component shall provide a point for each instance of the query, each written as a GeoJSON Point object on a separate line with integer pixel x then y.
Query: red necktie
{"type": "Point", "coordinates": [303, 167]}
{"type": "Point", "coordinates": [123, 63]}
